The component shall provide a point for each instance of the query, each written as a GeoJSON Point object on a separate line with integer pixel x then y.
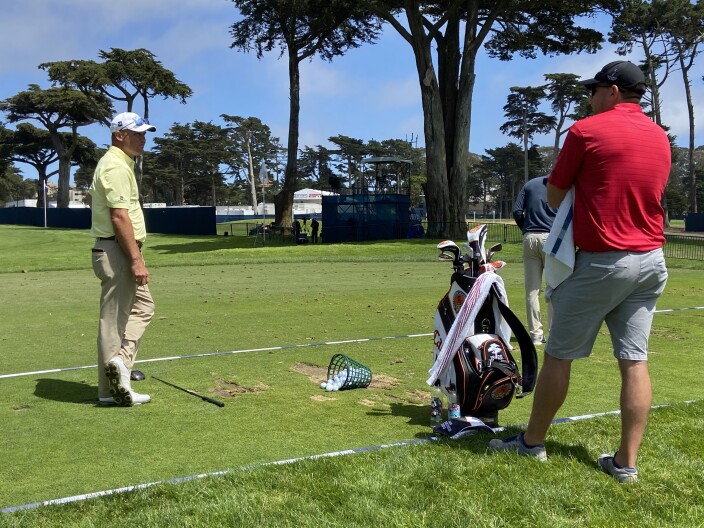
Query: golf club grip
{"type": "Point", "coordinates": [214, 402]}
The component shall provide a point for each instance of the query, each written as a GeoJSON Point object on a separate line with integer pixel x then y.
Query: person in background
{"type": "Point", "coordinates": [534, 217]}
{"type": "Point", "coordinates": [126, 305]}
{"type": "Point", "coordinates": [617, 162]}
{"type": "Point", "coordinates": [314, 227]}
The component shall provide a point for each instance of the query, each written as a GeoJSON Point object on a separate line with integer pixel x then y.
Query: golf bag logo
{"type": "Point", "coordinates": [458, 298]}
{"type": "Point", "coordinates": [495, 351]}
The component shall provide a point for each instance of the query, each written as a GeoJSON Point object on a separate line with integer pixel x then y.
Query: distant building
{"type": "Point", "coordinates": [309, 201]}
{"type": "Point", "coordinates": [27, 202]}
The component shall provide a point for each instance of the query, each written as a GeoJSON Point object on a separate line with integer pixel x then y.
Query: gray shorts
{"type": "Point", "coordinates": [616, 287]}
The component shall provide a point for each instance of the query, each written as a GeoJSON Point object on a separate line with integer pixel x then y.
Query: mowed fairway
{"type": "Point", "coordinates": [56, 442]}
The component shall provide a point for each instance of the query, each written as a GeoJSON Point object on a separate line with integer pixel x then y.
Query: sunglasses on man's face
{"type": "Point", "coordinates": [137, 122]}
{"type": "Point", "coordinates": [595, 86]}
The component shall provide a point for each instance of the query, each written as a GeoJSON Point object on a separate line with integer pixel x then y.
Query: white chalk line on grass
{"type": "Point", "coordinates": [219, 353]}
{"type": "Point", "coordinates": [265, 349]}
{"type": "Point", "coordinates": [178, 480]}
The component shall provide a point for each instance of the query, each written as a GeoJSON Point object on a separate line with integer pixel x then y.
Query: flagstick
{"type": "Point", "coordinates": [264, 213]}
{"type": "Point", "coordinates": [263, 180]}
{"type": "Point", "coordinates": [44, 189]}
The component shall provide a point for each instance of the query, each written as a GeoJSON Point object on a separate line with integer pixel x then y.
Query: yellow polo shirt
{"type": "Point", "coordinates": [114, 186]}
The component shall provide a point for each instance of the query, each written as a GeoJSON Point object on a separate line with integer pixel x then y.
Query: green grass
{"type": "Point", "coordinates": [212, 295]}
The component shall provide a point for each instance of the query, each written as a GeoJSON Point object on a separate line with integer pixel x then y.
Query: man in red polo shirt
{"type": "Point", "coordinates": [617, 161]}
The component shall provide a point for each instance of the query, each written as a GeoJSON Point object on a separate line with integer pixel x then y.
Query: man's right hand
{"type": "Point", "coordinates": [140, 272]}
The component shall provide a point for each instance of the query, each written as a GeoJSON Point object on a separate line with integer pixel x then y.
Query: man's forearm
{"type": "Point", "coordinates": [124, 233]}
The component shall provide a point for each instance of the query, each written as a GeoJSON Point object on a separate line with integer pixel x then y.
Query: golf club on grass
{"type": "Point", "coordinates": [193, 393]}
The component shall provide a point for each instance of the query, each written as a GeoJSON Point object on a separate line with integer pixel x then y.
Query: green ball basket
{"type": "Point", "coordinates": [358, 376]}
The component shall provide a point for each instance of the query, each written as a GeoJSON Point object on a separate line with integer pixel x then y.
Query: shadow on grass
{"type": "Point", "coordinates": [66, 391]}
{"type": "Point", "coordinates": [416, 414]}
{"type": "Point", "coordinates": [198, 245]}
{"type": "Point", "coordinates": [478, 442]}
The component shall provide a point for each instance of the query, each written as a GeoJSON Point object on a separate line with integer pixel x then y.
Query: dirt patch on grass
{"type": "Point", "coordinates": [419, 395]}
{"type": "Point", "coordinates": [367, 403]}
{"type": "Point", "coordinates": [320, 398]}
{"type": "Point", "coordinates": [229, 389]}
{"type": "Point", "coordinates": [315, 373]}
{"type": "Point", "coordinates": [379, 381]}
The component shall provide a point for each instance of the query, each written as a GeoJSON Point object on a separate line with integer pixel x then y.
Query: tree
{"type": "Point", "coordinates": [211, 152]}
{"type": "Point", "coordinates": [566, 96]}
{"type": "Point", "coordinates": [350, 151]}
{"type": "Point", "coordinates": [55, 109]}
{"type": "Point", "coordinates": [301, 29]}
{"type": "Point", "coordinates": [635, 24]}
{"type": "Point", "coordinates": [314, 166]}
{"type": "Point", "coordinates": [458, 29]}
{"type": "Point", "coordinates": [504, 167]}
{"type": "Point", "coordinates": [12, 186]}
{"type": "Point", "coordinates": [186, 164]}
{"type": "Point", "coordinates": [123, 76]}
{"type": "Point", "coordinates": [31, 145]}
{"type": "Point", "coordinates": [174, 153]}
{"type": "Point", "coordinates": [524, 119]}
{"type": "Point", "coordinates": [248, 140]}
{"type": "Point", "coordinates": [684, 23]}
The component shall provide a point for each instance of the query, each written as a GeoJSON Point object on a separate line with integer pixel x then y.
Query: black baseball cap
{"type": "Point", "coordinates": [623, 74]}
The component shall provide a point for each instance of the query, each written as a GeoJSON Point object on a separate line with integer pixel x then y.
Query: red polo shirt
{"type": "Point", "coordinates": [618, 162]}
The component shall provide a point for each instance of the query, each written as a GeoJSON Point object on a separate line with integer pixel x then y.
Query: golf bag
{"type": "Point", "coordinates": [472, 359]}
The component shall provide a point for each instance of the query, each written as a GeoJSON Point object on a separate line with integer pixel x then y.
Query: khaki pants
{"type": "Point", "coordinates": [125, 309]}
{"type": "Point", "coordinates": [533, 264]}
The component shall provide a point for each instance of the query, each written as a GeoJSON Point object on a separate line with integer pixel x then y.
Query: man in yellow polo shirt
{"type": "Point", "coordinates": [126, 305]}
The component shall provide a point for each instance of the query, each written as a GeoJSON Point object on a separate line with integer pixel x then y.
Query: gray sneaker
{"type": "Point", "coordinates": [624, 475]}
{"type": "Point", "coordinates": [516, 444]}
{"type": "Point", "coordinates": [119, 379]}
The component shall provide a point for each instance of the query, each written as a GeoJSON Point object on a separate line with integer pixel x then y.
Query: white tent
{"type": "Point", "coordinates": [310, 195]}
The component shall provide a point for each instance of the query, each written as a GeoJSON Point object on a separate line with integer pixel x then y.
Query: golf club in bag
{"type": "Point", "coordinates": [472, 360]}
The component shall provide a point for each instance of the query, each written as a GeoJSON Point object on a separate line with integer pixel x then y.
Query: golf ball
{"type": "Point", "coordinates": [323, 384]}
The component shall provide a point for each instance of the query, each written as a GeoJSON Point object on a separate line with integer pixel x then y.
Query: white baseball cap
{"type": "Point", "coordinates": [130, 121]}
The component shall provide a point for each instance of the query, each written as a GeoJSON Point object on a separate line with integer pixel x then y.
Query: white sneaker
{"type": "Point", "coordinates": [119, 379]}
{"type": "Point", "coordinates": [139, 399]}
{"type": "Point", "coordinates": [136, 399]}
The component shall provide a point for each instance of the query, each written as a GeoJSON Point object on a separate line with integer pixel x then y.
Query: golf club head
{"type": "Point", "coordinates": [448, 247]}
{"type": "Point", "coordinates": [137, 375]}
{"type": "Point", "coordinates": [493, 249]}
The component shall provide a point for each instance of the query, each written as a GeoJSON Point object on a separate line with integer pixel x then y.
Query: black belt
{"type": "Point", "coordinates": [138, 242]}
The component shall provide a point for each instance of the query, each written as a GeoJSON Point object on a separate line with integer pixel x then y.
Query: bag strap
{"type": "Point", "coordinates": [529, 357]}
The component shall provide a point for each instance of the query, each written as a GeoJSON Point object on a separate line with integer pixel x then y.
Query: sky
{"type": "Point", "coordinates": [370, 93]}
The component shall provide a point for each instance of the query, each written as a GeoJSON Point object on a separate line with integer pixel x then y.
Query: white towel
{"type": "Point", "coordinates": [559, 246]}
{"type": "Point", "coordinates": [465, 320]}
